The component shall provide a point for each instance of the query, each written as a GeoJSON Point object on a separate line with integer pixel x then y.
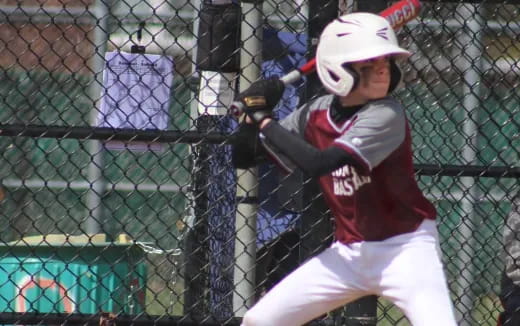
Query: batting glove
{"type": "Point", "coordinates": [260, 98]}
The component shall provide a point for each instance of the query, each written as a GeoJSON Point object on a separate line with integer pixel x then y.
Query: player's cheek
{"type": "Point", "coordinates": [366, 77]}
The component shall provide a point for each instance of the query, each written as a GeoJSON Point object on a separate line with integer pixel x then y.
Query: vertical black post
{"type": "Point", "coordinates": [316, 225]}
{"type": "Point", "coordinates": [363, 312]}
{"type": "Point", "coordinates": [321, 12]}
{"type": "Point", "coordinates": [374, 6]}
{"type": "Point", "coordinates": [315, 220]}
{"type": "Point", "coordinates": [208, 252]}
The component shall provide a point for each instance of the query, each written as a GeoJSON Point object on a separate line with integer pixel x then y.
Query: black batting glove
{"type": "Point", "coordinates": [260, 98]}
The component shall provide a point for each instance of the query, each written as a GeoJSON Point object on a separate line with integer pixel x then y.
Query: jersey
{"type": "Point", "coordinates": [380, 198]}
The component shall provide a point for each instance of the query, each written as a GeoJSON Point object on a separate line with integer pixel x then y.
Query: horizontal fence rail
{"type": "Point", "coordinates": [194, 137]}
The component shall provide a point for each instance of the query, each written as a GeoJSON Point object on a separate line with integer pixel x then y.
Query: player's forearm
{"type": "Point", "coordinates": [311, 160]}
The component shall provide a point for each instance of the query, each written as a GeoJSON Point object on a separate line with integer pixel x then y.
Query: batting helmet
{"type": "Point", "coordinates": [350, 38]}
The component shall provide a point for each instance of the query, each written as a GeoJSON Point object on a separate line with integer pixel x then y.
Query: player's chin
{"type": "Point", "coordinates": [378, 92]}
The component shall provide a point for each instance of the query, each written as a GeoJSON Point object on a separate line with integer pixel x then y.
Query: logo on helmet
{"type": "Point", "coordinates": [382, 33]}
{"type": "Point", "coordinates": [351, 38]}
{"type": "Point", "coordinates": [352, 22]}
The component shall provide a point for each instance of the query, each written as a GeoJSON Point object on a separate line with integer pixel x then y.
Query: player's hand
{"type": "Point", "coordinates": [260, 98]}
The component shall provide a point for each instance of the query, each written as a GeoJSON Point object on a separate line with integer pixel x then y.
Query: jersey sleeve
{"type": "Point", "coordinates": [375, 132]}
{"type": "Point", "coordinates": [294, 123]}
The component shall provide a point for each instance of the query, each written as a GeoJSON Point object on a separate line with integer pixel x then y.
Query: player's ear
{"type": "Point", "coordinates": [395, 76]}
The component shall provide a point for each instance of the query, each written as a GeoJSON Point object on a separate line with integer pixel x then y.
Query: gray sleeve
{"type": "Point", "coordinates": [296, 121]}
{"type": "Point", "coordinates": [376, 131]}
{"type": "Point", "coordinates": [511, 236]}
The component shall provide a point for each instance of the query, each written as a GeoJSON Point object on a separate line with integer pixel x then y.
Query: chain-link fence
{"type": "Point", "coordinates": [117, 191]}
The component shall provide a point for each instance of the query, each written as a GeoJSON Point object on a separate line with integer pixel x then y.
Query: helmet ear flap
{"type": "Point", "coordinates": [395, 76]}
{"type": "Point", "coordinates": [354, 74]}
{"type": "Point", "coordinates": [339, 79]}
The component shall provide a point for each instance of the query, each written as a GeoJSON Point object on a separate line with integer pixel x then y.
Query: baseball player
{"type": "Point", "coordinates": [357, 141]}
{"type": "Point", "coordinates": [510, 285]}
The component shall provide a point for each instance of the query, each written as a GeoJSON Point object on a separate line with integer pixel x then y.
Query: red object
{"type": "Point", "coordinates": [397, 14]}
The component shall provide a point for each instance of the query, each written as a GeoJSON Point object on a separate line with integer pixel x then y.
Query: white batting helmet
{"type": "Point", "coordinates": [350, 38]}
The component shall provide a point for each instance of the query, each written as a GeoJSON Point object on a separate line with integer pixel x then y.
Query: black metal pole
{"type": "Point", "coordinates": [317, 236]}
{"type": "Point", "coordinates": [212, 137]}
{"type": "Point", "coordinates": [316, 226]}
{"type": "Point", "coordinates": [363, 312]}
{"type": "Point", "coordinates": [208, 280]}
{"type": "Point", "coordinates": [315, 220]}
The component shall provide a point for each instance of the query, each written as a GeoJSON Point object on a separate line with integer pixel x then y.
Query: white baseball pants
{"type": "Point", "coordinates": [405, 269]}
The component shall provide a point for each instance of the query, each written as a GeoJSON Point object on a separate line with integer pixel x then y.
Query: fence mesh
{"type": "Point", "coordinates": [117, 191]}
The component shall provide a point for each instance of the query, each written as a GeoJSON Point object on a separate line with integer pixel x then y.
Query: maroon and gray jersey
{"type": "Point", "coordinates": [379, 200]}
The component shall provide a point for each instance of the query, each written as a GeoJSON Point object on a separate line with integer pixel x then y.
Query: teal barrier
{"type": "Point", "coordinates": [87, 278]}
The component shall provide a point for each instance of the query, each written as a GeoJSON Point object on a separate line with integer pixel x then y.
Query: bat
{"type": "Point", "coordinates": [397, 15]}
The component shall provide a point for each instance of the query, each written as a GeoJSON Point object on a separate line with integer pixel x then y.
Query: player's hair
{"type": "Point", "coordinates": [350, 38]}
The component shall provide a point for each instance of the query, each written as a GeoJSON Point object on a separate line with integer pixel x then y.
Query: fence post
{"type": "Point", "coordinates": [247, 183]}
{"type": "Point", "coordinates": [466, 266]}
{"type": "Point", "coordinates": [316, 225]}
{"type": "Point", "coordinates": [95, 147]}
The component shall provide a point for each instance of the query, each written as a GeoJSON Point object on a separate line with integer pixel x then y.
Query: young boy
{"type": "Point", "coordinates": [357, 142]}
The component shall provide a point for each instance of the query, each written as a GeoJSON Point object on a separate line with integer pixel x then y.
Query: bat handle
{"type": "Point", "coordinates": [291, 77]}
{"type": "Point", "coordinates": [297, 74]}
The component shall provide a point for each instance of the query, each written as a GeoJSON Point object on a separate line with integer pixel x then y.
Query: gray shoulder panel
{"type": "Point", "coordinates": [377, 130]}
